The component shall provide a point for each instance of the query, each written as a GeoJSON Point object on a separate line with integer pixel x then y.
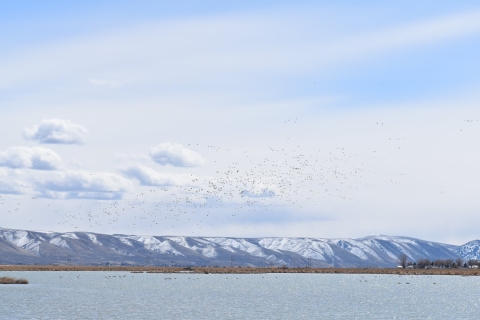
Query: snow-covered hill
{"type": "Point", "coordinates": [470, 250]}
{"type": "Point", "coordinates": [21, 246]}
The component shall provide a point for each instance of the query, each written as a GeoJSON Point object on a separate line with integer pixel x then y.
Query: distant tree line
{"type": "Point", "coordinates": [425, 263]}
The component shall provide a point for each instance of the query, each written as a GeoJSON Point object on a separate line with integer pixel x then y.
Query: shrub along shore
{"type": "Point", "coordinates": [244, 270]}
{"type": "Point", "coordinates": [9, 280]}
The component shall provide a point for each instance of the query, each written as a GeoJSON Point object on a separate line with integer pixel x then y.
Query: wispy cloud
{"type": "Point", "coordinates": [201, 50]}
{"type": "Point", "coordinates": [414, 34]}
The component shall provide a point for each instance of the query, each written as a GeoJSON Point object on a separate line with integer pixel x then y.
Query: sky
{"type": "Point", "coordinates": [241, 118]}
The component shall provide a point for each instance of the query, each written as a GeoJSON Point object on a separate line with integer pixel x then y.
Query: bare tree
{"type": "Point", "coordinates": [459, 262]}
{"type": "Point", "coordinates": [422, 263]}
{"type": "Point", "coordinates": [439, 263]}
{"type": "Point", "coordinates": [449, 263]}
{"type": "Point", "coordinates": [402, 260]}
{"type": "Point", "coordinates": [472, 262]}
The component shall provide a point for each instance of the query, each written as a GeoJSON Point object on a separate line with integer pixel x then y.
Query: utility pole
{"type": "Point", "coordinates": [232, 258]}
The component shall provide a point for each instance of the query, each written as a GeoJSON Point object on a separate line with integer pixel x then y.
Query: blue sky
{"type": "Point", "coordinates": [146, 96]}
{"type": "Point", "coordinates": [420, 70]}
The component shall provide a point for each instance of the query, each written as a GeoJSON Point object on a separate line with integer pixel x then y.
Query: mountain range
{"type": "Point", "coordinates": [87, 248]}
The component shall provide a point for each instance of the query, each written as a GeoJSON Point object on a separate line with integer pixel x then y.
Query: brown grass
{"type": "Point", "coordinates": [244, 270]}
{"type": "Point", "coordinates": [9, 280]}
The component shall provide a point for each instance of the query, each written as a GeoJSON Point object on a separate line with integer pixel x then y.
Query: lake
{"type": "Point", "coordinates": [124, 295]}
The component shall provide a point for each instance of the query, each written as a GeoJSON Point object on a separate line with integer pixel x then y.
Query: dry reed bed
{"type": "Point", "coordinates": [244, 270]}
{"type": "Point", "coordinates": [9, 280]}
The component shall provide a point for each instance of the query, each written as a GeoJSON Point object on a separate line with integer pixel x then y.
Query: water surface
{"type": "Point", "coordinates": [124, 295]}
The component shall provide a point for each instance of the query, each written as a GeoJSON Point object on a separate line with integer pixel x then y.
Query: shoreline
{"type": "Point", "coordinates": [242, 270]}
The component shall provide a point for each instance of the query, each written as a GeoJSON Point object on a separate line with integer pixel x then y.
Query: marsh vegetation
{"type": "Point", "coordinates": [9, 280]}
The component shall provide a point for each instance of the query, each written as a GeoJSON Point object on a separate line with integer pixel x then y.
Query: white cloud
{"type": "Point", "coordinates": [176, 155]}
{"type": "Point", "coordinates": [82, 184]}
{"type": "Point", "coordinates": [9, 184]}
{"type": "Point", "coordinates": [56, 131]}
{"type": "Point", "coordinates": [149, 177]}
{"type": "Point", "coordinates": [38, 158]}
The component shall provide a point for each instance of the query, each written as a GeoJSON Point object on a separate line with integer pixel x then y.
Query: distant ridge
{"type": "Point", "coordinates": [44, 247]}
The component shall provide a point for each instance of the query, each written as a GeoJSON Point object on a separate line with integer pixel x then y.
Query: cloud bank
{"type": "Point", "coordinates": [85, 181]}
{"type": "Point", "coordinates": [38, 158]}
{"type": "Point", "coordinates": [56, 131]}
{"type": "Point", "coordinates": [176, 155]}
{"type": "Point", "coordinates": [149, 177]}
{"type": "Point", "coordinates": [10, 184]}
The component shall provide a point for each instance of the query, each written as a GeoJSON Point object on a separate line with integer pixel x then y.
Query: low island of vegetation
{"type": "Point", "coordinates": [9, 280]}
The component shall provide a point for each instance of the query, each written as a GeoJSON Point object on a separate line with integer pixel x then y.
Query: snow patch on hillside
{"type": "Point", "coordinates": [153, 244]}
{"type": "Point", "coordinates": [93, 238]}
{"type": "Point", "coordinates": [70, 236]}
{"type": "Point", "coordinates": [233, 245]}
{"type": "Point", "coordinates": [124, 241]}
{"type": "Point", "coordinates": [357, 248]}
{"type": "Point", "coordinates": [307, 248]}
{"type": "Point", "coordinates": [203, 247]}
{"type": "Point", "coordinates": [59, 242]}
{"type": "Point", "coordinates": [21, 239]}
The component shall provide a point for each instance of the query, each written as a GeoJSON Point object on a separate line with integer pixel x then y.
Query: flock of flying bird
{"type": "Point", "coordinates": [247, 190]}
